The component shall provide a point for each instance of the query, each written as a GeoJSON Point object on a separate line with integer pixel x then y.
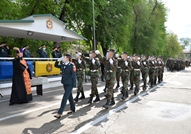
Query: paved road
{"type": "Point", "coordinates": [164, 109]}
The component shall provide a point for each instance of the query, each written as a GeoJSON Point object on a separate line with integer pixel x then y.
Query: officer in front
{"type": "Point", "coordinates": [68, 81]}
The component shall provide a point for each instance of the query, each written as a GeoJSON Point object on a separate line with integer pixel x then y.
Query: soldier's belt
{"type": "Point", "coordinates": [80, 69]}
{"type": "Point", "coordinates": [109, 71]}
{"type": "Point", "coordinates": [156, 67]}
{"type": "Point", "coordinates": [93, 70]}
{"type": "Point", "coordinates": [136, 69]}
{"type": "Point", "coordinates": [118, 67]}
{"type": "Point", "coordinates": [126, 70]}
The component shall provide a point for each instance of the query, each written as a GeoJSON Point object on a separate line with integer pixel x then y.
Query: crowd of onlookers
{"type": "Point", "coordinates": [5, 51]}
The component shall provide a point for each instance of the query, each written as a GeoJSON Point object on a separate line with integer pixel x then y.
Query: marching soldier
{"type": "Point", "coordinates": [136, 64]}
{"type": "Point", "coordinates": [125, 75]}
{"type": "Point", "coordinates": [131, 73]}
{"type": "Point", "coordinates": [160, 69]}
{"type": "Point", "coordinates": [151, 71]}
{"type": "Point", "coordinates": [80, 67]}
{"type": "Point", "coordinates": [144, 71]}
{"type": "Point", "coordinates": [156, 71]}
{"type": "Point", "coordinates": [94, 75]}
{"type": "Point", "coordinates": [118, 71]}
{"type": "Point", "coordinates": [110, 68]}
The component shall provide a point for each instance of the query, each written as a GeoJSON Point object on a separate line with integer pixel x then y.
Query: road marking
{"type": "Point", "coordinates": [91, 123]}
{"type": "Point", "coordinates": [94, 122]}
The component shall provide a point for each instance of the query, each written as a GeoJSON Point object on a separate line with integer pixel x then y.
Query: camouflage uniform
{"type": "Point", "coordinates": [160, 71]}
{"type": "Point", "coordinates": [125, 76]}
{"type": "Point", "coordinates": [144, 71]}
{"type": "Point", "coordinates": [136, 75]}
{"type": "Point", "coordinates": [80, 67]}
{"type": "Point", "coordinates": [151, 72]}
{"type": "Point", "coordinates": [118, 73]}
{"type": "Point", "coordinates": [155, 72]}
{"type": "Point", "coordinates": [94, 75]}
{"type": "Point", "coordinates": [131, 76]}
{"type": "Point", "coordinates": [110, 76]}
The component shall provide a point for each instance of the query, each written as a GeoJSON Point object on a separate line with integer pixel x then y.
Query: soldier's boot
{"type": "Point", "coordinates": [144, 86]}
{"type": "Point", "coordinates": [106, 95]}
{"type": "Point", "coordinates": [104, 89]}
{"type": "Point", "coordinates": [76, 99]}
{"type": "Point", "coordinates": [112, 102]}
{"type": "Point", "coordinates": [106, 106]}
{"type": "Point", "coordinates": [90, 100]}
{"type": "Point", "coordinates": [127, 94]}
{"type": "Point", "coordinates": [83, 96]}
{"type": "Point", "coordinates": [151, 84]}
{"type": "Point", "coordinates": [124, 96]}
{"type": "Point", "coordinates": [97, 98]}
{"type": "Point", "coordinates": [131, 88]}
{"type": "Point", "coordinates": [117, 85]}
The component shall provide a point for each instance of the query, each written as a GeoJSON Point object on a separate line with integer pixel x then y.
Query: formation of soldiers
{"type": "Point", "coordinates": [176, 64]}
{"type": "Point", "coordinates": [127, 68]}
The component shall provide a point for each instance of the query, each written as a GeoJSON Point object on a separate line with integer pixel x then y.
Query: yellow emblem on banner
{"type": "Point", "coordinates": [49, 67]}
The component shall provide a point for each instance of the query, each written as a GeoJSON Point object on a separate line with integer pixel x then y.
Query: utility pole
{"type": "Point", "coordinates": [94, 25]}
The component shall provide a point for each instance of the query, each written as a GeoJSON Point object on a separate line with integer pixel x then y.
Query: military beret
{"type": "Point", "coordinates": [112, 50]}
{"type": "Point", "coordinates": [124, 53]}
{"type": "Point", "coordinates": [68, 55]}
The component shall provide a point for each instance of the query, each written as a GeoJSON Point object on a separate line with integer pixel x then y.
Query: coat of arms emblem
{"type": "Point", "coordinates": [49, 67]}
{"type": "Point", "coordinates": [49, 24]}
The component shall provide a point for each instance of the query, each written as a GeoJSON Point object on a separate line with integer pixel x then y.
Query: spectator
{"type": "Point", "coordinates": [26, 52]}
{"type": "Point", "coordinates": [21, 86]}
{"type": "Point", "coordinates": [42, 51]}
{"type": "Point", "coordinates": [55, 53]}
{"type": "Point", "coordinates": [59, 52]}
{"type": "Point", "coordinates": [4, 50]}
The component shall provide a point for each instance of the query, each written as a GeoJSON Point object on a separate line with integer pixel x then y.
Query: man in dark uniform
{"type": "Point", "coordinates": [42, 51]}
{"type": "Point", "coordinates": [26, 52]}
{"type": "Point", "coordinates": [80, 67]}
{"type": "Point", "coordinates": [144, 71]}
{"type": "Point", "coordinates": [110, 68]}
{"type": "Point", "coordinates": [136, 64]}
{"type": "Point", "coordinates": [55, 53]}
{"type": "Point", "coordinates": [4, 50]}
{"type": "Point", "coordinates": [94, 74]}
{"type": "Point", "coordinates": [131, 73]}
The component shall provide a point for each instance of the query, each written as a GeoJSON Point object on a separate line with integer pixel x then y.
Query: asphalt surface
{"type": "Point", "coordinates": [163, 109]}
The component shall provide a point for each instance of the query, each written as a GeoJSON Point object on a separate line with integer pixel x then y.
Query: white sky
{"type": "Point", "coordinates": [179, 17]}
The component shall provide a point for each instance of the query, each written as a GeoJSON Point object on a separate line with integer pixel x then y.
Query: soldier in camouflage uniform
{"type": "Point", "coordinates": [118, 72]}
{"type": "Point", "coordinates": [160, 64]}
{"type": "Point", "coordinates": [80, 67]}
{"type": "Point", "coordinates": [156, 71]}
{"type": "Point", "coordinates": [94, 75]}
{"type": "Point", "coordinates": [131, 73]}
{"type": "Point", "coordinates": [136, 64]}
{"type": "Point", "coordinates": [151, 71]}
{"type": "Point", "coordinates": [125, 75]}
{"type": "Point", "coordinates": [110, 67]}
{"type": "Point", "coordinates": [144, 71]}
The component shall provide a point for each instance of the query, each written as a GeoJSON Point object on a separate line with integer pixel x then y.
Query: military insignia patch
{"type": "Point", "coordinates": [49, 67]}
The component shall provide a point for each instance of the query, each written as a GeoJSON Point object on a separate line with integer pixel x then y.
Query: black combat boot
{"type": "Point", "coordinates": [131, 88]}
{"type": "Point", "coordinates": [144, 87]}
{"type": "Point", "coordinates": [117, 85]}
{"type": "Point", "coordinates": [106, 106]}
{"type": "Point", "coordinates": [106, 95]}
{"type": "Point", "coordinates": [104, 89]}
{"type": "Point", "coordinates": [83, 96]}
{"type": "Point", "coordinates": [97, 98]}
{"type": "Point", "coordinates": [123, 96]}
{"type": "Point", "coordinates": [112, 102]}
{"type": "Point", "coordinates": [90, 100]}
{"type": "Point", "coordinates": [151, 84]}
{"type": "Point", "coordinates": [76, 99]}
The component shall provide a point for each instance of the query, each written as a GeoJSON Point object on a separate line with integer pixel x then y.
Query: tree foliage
{"type": "Point", "coordinates": [135, 26]}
